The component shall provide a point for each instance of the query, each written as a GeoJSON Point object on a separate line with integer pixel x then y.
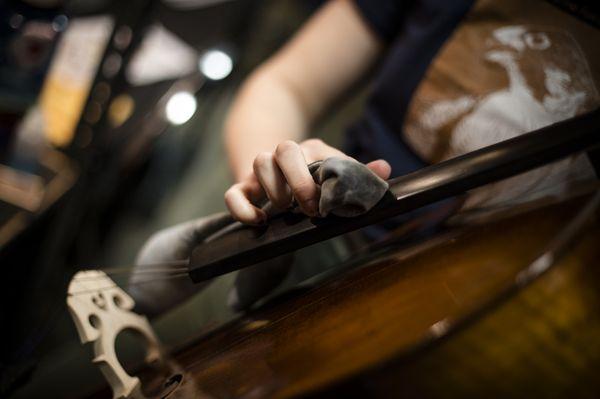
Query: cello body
{"type": "Point", "coordinates": [459, 314]}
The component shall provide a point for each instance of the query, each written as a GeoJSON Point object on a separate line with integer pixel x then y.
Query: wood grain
{"type": "Point", "coordinates": [383, 329]}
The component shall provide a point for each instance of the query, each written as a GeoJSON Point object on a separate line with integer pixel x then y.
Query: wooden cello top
{"type": "Point", "coordinates": [388, 309]}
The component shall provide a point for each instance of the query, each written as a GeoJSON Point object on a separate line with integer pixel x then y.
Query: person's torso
{"type": "Point", "coordinates": [505, 69]}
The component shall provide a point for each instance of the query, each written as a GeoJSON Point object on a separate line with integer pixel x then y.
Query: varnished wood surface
{"type": "Point", "coordinates": [423, 321]}
{"type": "Point", "coordinates": [363, 328]}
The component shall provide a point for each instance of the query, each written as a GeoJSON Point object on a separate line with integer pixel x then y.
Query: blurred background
{"type": "Point", "coordinates": [110, 129]}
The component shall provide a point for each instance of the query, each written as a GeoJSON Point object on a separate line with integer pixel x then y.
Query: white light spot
{"type": "Point", "coordinates": [215, 64]}
{"type": "Point", "coordinates": [60, 23]}
{"type": "Point", "coordinates": [440, 328]}
{"type": "Point", "coordinates": [180, 107]}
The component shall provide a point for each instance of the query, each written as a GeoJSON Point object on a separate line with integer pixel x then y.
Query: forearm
{"type": "Point", "coordinates": [282, 99]}
{"type": "Point", "coordinates": [268, 123]}
{"type": "Point", "coordinates": [264, 113]}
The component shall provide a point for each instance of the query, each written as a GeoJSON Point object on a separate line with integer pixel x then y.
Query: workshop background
{"type": "Point", "coordinates": [110, 129]}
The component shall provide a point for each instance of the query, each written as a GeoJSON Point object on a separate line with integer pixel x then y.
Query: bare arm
{"type": "Point", "coordinates": [280, 101]}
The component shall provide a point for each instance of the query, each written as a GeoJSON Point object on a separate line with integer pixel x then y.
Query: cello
{"type": "Point", "coordinates": [503, 305]}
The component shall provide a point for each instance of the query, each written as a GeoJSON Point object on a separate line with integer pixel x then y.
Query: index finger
{"type": "Point", "coordinates": [238, 200]}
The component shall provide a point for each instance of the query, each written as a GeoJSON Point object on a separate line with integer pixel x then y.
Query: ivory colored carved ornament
{"type": "Point", "coordinates": [101, 310]}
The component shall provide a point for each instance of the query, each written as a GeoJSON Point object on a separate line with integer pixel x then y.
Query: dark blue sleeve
{"type": "Point", "coordinates": [383, 16]}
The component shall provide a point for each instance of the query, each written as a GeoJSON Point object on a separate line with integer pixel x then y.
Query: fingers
{"type": "Point", "coordinates": [240, 198]}
{"type": "Point", "coordinates": [381, 168]}
{"type": "Point", "coordinates": [293, 157]}
{"type": "Point", "coordinates": [272, 180]}
{"type": "Point", "coordinates": [283, 176]}
{"type": "Point", "coordinates": [293, 165]}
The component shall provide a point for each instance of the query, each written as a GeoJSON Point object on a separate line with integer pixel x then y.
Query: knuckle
{"type": "Point", "coordinates": [228, 196]}
{"type": "Point", "coordinates": [313, 143]}
{"type": "Point", "coordinates": [231, 206]}
{"type": "Point", "coordinates": [262, 160]}
{"type": "Point", "coordinates": [285, 146]}
{"type": "Point", "coordinates": [230, 193]}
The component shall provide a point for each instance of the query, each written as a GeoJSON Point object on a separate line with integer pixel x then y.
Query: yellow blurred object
{"type": "Point", "coordinates": [71, 74]}
{"type": "Point", "coordinates": [120, 109]}
{"type": "Point", "coordinates": [62, 105]}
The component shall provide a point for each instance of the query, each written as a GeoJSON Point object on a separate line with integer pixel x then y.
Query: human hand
{"type": "Point", "coordinates": [282, 176]}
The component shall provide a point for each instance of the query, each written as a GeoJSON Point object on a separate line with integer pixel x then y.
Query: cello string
{"type": "Point", "coordinates": [126, 268]}
{"type": "Point", "coordinates": [135, 283]}
{"type": "Point", "coordinates": [175, 262]}
{"type": "Point", "coordinates": [159, 268]}
{"type": "Point", "coordinates": [157, 272]}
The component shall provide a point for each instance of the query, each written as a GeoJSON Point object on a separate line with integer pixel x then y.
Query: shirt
{"type": "Point", "coordinates": [460, 75]}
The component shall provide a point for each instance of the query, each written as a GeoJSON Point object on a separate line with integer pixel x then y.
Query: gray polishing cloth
{"type": "Point", "coordinates": [347, 188]}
